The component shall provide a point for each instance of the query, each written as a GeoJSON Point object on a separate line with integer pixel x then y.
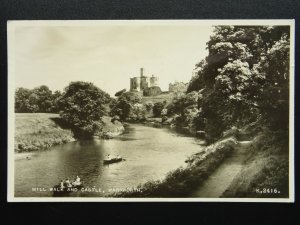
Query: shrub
{"type": "Point", "coordinates": [157, 108]}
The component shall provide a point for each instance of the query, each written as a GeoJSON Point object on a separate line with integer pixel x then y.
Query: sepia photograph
{"type": "Point", "coordinates": [151, 110]}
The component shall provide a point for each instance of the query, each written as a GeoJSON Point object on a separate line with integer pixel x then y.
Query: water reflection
{"type": "Point", "coordinates": [150, 154]}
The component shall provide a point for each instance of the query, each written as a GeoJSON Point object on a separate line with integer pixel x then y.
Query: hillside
{"type": "Point", "coordinates": [158, 98]}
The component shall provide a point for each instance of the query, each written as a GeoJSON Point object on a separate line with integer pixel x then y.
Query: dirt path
{"type": "Point", "coordinates": [219, 180]}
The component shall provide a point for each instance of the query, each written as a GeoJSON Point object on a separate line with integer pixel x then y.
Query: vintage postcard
{"type": "Point", "coordinates": [151, 110]}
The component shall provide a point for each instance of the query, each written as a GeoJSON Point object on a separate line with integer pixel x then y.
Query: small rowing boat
{"type": "Point", "coordinates": [59, 190]}
{"type": "Point", "coordinates": [113, 160]}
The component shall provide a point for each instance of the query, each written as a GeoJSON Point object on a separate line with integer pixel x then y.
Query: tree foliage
{"type": "Point", "coordinates": [37, 100]}
{"type": "Point", "coordinates": [190, 100]}
{"type": "Point", "coordinates": [82, 105]}
{"type": "Point", "coordinates": [127, 106]}
{"type": "Point", "coordinates": [244, 77]}
{"type": "Point", "coordinates": [157, 108]}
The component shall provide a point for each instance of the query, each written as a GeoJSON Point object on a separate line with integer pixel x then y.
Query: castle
{"type": "Point", "coordinates": [148, 86]}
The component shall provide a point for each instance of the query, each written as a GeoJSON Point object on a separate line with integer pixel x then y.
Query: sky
{"type": "Point", "coordinates": [106, 55]}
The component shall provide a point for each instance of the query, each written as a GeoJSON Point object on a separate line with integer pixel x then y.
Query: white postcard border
{"type": "Point", "coordinates": [11, 25]}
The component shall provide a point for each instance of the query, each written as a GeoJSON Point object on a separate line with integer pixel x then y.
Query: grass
{"type": "Point", "coordinates": [267, 167]}
{"type": "Point", "coordinates": [38, 131]}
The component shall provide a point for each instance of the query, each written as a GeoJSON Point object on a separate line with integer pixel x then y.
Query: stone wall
{"type": "Point", "coordinates": [152, 91]}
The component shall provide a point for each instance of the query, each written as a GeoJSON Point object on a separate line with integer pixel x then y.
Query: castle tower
{"type": "Point", "coordinates": [135, 84]}
{"type": "Point", "coordinates": [145, 82]}
{"type": "Point", "coordinates": [153, 81]}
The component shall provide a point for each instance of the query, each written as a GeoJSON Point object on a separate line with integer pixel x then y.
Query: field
{"type": "Point", "coordinates": [37, 131]}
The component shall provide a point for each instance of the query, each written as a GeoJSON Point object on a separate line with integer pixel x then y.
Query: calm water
{"type": "Point", "coordinates": [150, 154]}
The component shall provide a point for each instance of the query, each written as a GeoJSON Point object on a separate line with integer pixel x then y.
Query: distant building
{"type": "Point", "coordinates": [147, 85]}
{"type": "Point", "coordinates": [178, 87]}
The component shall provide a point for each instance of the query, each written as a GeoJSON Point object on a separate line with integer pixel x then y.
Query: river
{"type": "Point", "coordinates": [150, 154]}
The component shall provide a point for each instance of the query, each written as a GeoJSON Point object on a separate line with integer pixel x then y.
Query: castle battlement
{"type": "Point", "coordinates": [147, 85]}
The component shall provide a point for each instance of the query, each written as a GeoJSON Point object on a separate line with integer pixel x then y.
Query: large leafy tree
{"type": "Point", "coordinates": [55, 101]}
{"type": "Point", "coordinates": [83, 104]}
{"type": "Point", "coordinates": [245, 76]}
{"type": "Point", "coordinates": [42, 96]}
{"type": "Point", "coordinates": [39, 99]}
{"type": "Point", "coordinates": [272, 94]}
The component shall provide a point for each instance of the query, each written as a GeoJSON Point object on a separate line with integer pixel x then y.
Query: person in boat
{"type": "Point", "coordinates": [61, 184]}
{"type": "Point", "coordinates": [77, 181]}
{"type": "Point", "coordinates": [118, 157]}
{"type": "Point", "coordinates": [68, 183]}
{"type": "Point", "coordinates": [108, 157]}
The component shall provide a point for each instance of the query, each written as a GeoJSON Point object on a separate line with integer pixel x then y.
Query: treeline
{"type": "Point", "coordinates": [81, 105]}
{"type": "Point", "coordinates": [37, 100]}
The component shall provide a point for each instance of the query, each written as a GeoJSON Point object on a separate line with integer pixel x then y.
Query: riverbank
{"type": "Point", "coordinates": [149, 153]}
{"type": "Point", "coordinates": [222, 177]}
{"type": "Point", "coordinates": [184, 180]}
{"type": "Point", "coordinates": [111, 128]}
{"type": "Point", "coordinates": [40, 131]}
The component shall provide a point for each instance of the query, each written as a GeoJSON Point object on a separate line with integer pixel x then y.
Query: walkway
{"type": "Point", "coordinates": [220, 180]}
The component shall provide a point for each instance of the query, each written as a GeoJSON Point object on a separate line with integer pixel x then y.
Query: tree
{"type": "Point", "coordinates": [125, 105]}
{"type": "Point", "coordinates": [55, 101]}
{"type": "Point", "coordinates": [190, 100]}
{"type": "Point", "coordinates": [37, 100]}
{"type": "Point", "coordinates": [42, 98]}
{"type": "Point", "coordinates": [157, 108]}
{"type": "Point", "coordinates": [137, 112]}
{"type": "Point", "coordinates": [272, 75]}
{"type": "Point", "coordinates": [21, 100]}
{"type": "Point", "coordinates": [244, 77]}
{"type": "Point", "coordinates": [119, 93]}
{"type": "Point", "coordinates": [82, 105]}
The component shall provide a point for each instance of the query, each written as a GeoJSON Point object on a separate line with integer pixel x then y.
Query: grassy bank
{"type": "Point", "coordinates": [266, 169]}
{"type": "Point", "coordinates": [110, 129]}
{"type": "Point", "coordinates": [181, 182]}
{"type": "Point", "coordinates": [37, 131]}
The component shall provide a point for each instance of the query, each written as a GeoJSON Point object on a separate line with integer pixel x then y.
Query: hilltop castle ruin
{"type": "Point", "coordinates": [148, 86]}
